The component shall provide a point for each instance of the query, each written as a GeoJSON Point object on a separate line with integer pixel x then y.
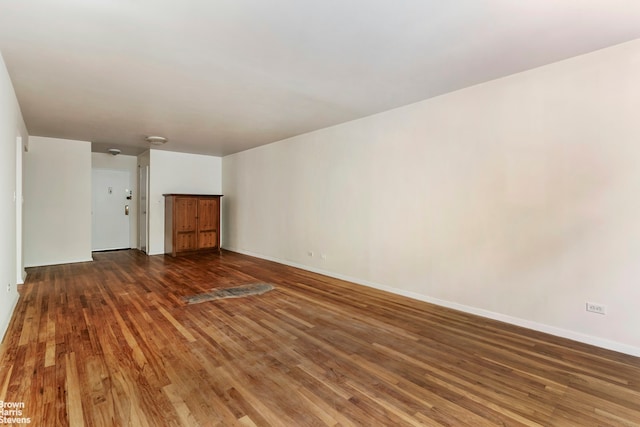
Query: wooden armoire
{"type": "Point", "coordinates": [191, 223]}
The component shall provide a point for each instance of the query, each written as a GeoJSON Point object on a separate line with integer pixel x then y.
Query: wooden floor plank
{"type": "Point", "coordinates": [113, 343]}
{"type": "Point", "coordinates": [74, 393]}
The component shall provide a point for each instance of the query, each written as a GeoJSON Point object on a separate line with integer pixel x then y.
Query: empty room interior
{"type": "Point", "coordinates": [289, 213]}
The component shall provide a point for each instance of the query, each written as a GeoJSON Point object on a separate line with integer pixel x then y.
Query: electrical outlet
{"type": "Point", "coordinates": [8, 287]}
{"type": "Point", "coordinates": [592, 307]}
{"type": "Point", "coordinates": [310, 253]}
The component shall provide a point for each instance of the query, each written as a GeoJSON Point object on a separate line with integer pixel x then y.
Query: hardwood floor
{"type": "Point", "coordinates": [112, 343]}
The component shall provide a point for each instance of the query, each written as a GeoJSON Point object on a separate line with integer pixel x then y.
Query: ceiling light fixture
{"type": "Point", "coordinates": [156, 140]}
{"type": "Point", "coordinates": [113, 151]}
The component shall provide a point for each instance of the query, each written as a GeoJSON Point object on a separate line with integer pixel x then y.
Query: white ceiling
{"type": "Point", "coordinates": [221, 76]}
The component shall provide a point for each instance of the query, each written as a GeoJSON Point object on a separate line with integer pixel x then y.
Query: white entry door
{"type": "Point", "coordinates": [110, 219]}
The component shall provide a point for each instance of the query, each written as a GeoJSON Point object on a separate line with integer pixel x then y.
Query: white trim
{"type": "Point", "coordinates": [66, 261]}
{"type": "Point", "coordinates": [117, 248]}
{"type": "Point", "coordinates": [18, 201]}
{"type": "Point", "coordinates": [540, 327]}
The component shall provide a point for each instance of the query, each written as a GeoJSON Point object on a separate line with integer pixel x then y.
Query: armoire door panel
{"type": "Point", "coordinates": [186, 214]}
{"type": "Point", "coordinates": [186, 241]}
{"type": "Point", "coordinates": [207, 239]}
{"type": "Point", "coordinates": [207, 214]}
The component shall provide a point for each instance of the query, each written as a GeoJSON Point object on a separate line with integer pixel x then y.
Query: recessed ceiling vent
{"type": "Point", "coordinates": [156, 140]}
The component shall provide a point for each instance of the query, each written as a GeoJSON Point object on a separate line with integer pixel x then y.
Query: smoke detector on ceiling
{"type": "Point", "coordinates": [113, 151]}
{"type": "Point", "coordinates": [156, 140]}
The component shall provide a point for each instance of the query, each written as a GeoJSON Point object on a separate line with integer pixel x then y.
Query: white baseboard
{"type": "Point", "coordinates": [540, 327]}
{"type": "Point", "coordinates": [66, 261]}
{"type": "Point", "coordinates": [21, 277]}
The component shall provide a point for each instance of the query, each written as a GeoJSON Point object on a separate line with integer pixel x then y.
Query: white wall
{"type": "Point", "coordinates": [57, 205]}
{"type": "Point", "coordinates": [12, 127]}
{"type": "Point", "coordinates": [177, 173]}
{"type": "Point", "coordinates": [517, 199]}
{"type": "Point", "coordinates": [129, 164]}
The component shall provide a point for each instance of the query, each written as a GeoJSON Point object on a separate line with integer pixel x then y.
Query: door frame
{"type": "Point", "coordinates": [143, 210]}
{"type": "Point", "coordinates": [18, 200]}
